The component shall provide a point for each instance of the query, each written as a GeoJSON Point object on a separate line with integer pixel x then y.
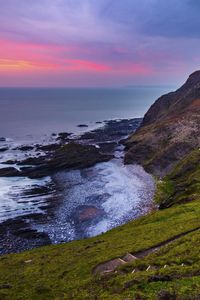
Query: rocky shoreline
{"type": "Point", "coordinates": [67, 153]}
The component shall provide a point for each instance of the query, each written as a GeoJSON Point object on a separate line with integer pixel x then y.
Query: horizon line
{"type": "Point", "coordinates": [87, 87]}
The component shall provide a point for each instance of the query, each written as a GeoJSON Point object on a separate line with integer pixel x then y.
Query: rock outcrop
{"type": "Point", "coordinates": [69, 156]}
{"type": "Point", "coordinates": [170, 130]}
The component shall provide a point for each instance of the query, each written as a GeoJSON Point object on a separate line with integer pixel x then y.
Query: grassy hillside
{"type": "Point", "coordinates": [182, 184]}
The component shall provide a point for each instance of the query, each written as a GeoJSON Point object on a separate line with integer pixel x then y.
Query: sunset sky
{"type": "Point", "coordinates": [98, 42]}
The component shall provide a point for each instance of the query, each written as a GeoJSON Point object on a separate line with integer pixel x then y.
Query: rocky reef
{"type": "Point", "coordinates": [170, 130]}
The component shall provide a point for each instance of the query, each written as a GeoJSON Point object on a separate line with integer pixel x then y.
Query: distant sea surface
{"type": "Point", "coordinates": [38, 111]}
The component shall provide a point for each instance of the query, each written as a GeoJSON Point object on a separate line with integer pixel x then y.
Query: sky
{"type": "Point", "coordinates": [82, 43]}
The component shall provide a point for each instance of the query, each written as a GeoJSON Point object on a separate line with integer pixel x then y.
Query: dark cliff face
{"type": "Point", "coordinates": [169, 131]}
{"type": "Point", "coordinates": [175, 102]}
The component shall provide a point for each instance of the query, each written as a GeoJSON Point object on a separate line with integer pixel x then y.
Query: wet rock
{"type": "Point", "coordinates": [3, 149]}
{"type": "Point", "coordinates": [9, 172]}
{"type": "Point", "coordinates": [32, 161]}
{"type": "Point", "coordinates": [16, 235]}
{"type": "Point", "coordinates": [10, 162]}
{"type": "Point", "coordinates": [24, 148]}
{"type": "Point", "coordinates": [87, 213]}
{"type": "Point", "coordinates": [28, 233]}
{"type": "Point", "coordinates": [63, 137]}
{"type": "Point", "coordinates": [113, 131]}
{"type": "Point", "coordinates": [107, 147]}
{"type": "Point", "coordinates": [82, 125]}
{"type": "Point", "coordinates": [70, 156]}
{"type": "Point", "coordinates": [50, 147]}
{"type": "Point", "coordinates": [39, 190]}
{"type": "Point", "coordinates": [2, 139]}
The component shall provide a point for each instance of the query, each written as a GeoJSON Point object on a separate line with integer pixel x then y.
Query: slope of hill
{"type": "Point", "coordinates": [170, 129]}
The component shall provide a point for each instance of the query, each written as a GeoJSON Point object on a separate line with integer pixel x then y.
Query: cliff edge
{"type": "Point", "coordinates": [170, 130]}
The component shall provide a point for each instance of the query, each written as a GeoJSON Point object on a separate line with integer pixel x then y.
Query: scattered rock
{"type": "Point", "coordinates": [63, 137]}
{"type": "Point", "coordinates": [82, 125]}
{"type": "Point", "coordinates": [2, 139]}
{"type": "Point", "coordinates": [112, 131]}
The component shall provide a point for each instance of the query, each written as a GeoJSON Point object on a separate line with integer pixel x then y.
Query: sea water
{"type": "Point", "coordinates": [35, 112]}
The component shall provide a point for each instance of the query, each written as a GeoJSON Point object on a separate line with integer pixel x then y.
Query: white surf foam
{"type": "Point", "coordinates": [122, 192]}
{"type": "Point", "coordinates": [12, 201]}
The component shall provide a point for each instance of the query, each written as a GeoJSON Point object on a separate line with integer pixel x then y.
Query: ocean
{"type": "Point", "coordinates": [33, 112]}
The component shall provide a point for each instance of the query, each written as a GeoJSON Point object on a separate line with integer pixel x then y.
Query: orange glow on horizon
{"type": "Point", "coordinates": [7, 65]}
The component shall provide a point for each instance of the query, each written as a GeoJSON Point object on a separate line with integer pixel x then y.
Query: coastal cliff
{"type": "Point", "coordinates": [155, 257]}
{"type": "Point", "coordinates": [170, 130]}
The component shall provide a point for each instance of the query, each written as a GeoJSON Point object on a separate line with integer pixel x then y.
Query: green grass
{"type": "Point", "coordinates": [182, 184]}
{"type": "Point", "coordinates": [164, 190]}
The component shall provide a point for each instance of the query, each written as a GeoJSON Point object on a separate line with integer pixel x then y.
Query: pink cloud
{"type": "Point", "coordinates": [25, 56]}
{"type": "Point", "coordinates": [59, 61]}
{"type": "Point", "coordinates": [84, 65]}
